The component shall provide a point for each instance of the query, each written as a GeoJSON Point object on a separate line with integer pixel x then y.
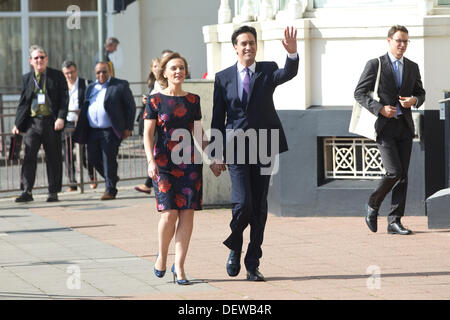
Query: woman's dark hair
{"type": "Point", "coordinates": [243, 29]}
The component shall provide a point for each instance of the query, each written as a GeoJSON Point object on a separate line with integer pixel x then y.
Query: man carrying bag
{"type": "Point", "coordinates": [400, 88]}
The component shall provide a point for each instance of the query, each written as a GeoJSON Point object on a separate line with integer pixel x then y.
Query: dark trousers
{"type": "Point", "coordinates": [69, 158]}
{"type": "Point", "coordinates": [103, 147]}
{"type": "Point", "coordinates": [395, 145]}
{"type": "Point", "coordinates": [249, 190]}
{"type": "Point", "coordinates": [42, 131]}
{"type": "Point", "coordinates": [148, 182]}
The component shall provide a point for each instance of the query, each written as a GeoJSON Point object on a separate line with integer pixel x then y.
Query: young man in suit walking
{"type": "Point", "coordinates": [243, 103]}
{"type": "Point", "coordinates": [40, 115]}
{"type": "Point", "coordinates": [400, 88]}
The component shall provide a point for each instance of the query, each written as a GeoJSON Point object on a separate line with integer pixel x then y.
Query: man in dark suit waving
{"type": "Point", "coordinates": [400, 88]}
{"type": "Point", "coordinates": [106, 119]}
{"type": "Point", "coordinates": [40, 115]}
{"type": "Point", "coordinates": [243, 104]}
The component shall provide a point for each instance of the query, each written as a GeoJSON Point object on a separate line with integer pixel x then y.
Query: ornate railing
{"type": "Point", "coordinates": [351, 158]}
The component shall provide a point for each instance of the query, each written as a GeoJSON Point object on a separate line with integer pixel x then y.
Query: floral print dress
{"type": "Point", "coordinates": [179, 185]}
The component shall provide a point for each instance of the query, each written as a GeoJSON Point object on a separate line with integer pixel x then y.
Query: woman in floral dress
{"type": "Point", "coordinates": [177, 184]}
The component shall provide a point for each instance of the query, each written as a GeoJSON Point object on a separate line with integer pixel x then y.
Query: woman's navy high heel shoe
{"type": "Point", "coordinates": [180, 282]}
{"type": "Point", "coordinates": [159, 273]}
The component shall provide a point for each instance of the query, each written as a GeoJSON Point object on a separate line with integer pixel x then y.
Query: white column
{"type": "Point", "coordinates": [213, 50]}
{"type": "Point", "coordinates": [25, 27]}
{"type": "Point", "coordinates": [295, 9]}
{"type": "Point", "coordinates": [265, 10]}
{"type": "Point", "coordinates": [425, 7]}
{"type": "Point", "coordinates": [224, 14]}
{"type": "Point", "coordinates": [247, 12]}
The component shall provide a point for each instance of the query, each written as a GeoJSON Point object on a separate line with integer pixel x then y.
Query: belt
{"type": "Point", "coordinates": [98, 129]}
{"type": "Point", "coordinates": [41, 117]}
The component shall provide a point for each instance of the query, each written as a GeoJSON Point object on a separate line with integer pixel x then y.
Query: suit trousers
{"type": "Point", "coordinates": [42, 131]}
{"type": "Point", "coordinates": [103, 147]}
{"type": "Point", "coordinates": [395, 146]}
{"type": "Point", "coordinates": [69, 157]}
{"type": "Point", "coordinates": [249, 190]}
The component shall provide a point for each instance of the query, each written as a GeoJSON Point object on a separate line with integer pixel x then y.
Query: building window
{"type": "Point", "coordinates": [45, 23]}
{"type": "Point", "coordinates": [10, 5]}
{"type": "Point", "coordinates": [361, 3]}
{"type": "Point", "coordinates": [351, 158]}
{"type": "Point", "coordinates": [10, 55]}
{"type": "Point", "coordinates": [443, 2]}
{"type": "Point", "coordinates": [61, 43]}
{"type": "Point", "coordinates": [62, 5]}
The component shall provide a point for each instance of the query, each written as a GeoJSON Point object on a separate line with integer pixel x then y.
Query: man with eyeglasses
{"type": "Point", "coordinates": [400, 88]}
{"type": "Point", "coordinates": [40, 116]}
{"type": "Point", "coordinates": [106, 118]}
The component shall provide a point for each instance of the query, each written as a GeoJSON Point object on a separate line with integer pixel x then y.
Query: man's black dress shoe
{"type": "Point", "coordinates": [255, 275]}
{"type": "Point", "coordinates": [397, 228]}
{"type": "Point", "coordinates": [52, 197]}
{"type": "Point", "coordinates": [25, 197]}
{"type": "Point", "coordinates": [234, 263]}
{"type": "Point", "coordinates": [371, 219]}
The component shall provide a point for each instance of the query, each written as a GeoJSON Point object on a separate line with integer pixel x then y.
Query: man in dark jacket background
{"type": "Point", "coordinates": [106, 118]}
{"type": "Point", "coordinates": [40, 116]}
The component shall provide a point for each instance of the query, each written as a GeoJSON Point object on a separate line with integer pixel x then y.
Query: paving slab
{"type": "Point", "coordinates": [113, 244]}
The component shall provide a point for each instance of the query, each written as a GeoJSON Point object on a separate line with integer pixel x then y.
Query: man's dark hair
{"type": "Point", "coordinates": [68, 64]}
{"type": "Point", "coordinates": [396, 28]}
{"type": "Point", "coordinates": [243, 29]}
{"type": "Point", "coordinates": [112, 40]}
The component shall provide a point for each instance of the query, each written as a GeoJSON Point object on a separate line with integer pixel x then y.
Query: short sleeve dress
{"type": "Point", "coordinates": [179, 186]}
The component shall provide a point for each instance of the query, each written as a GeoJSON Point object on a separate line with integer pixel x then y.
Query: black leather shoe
{"type": "Point", "coordinates": [234, 263]}
{"type": "Point", "coordinates": [25, 197]}
{"type": "Point", "coordinates": [397, 228]}
{"type": "Point", "coordinates": [371, 219]}
{"type": "Point", "coordinates": [52, 197]}
{"type": "Point", "coordinates": [255, 275]}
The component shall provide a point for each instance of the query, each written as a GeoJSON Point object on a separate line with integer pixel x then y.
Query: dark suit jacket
{"type": "Point", "coordinates": [387, 89]}
{"type": "Point", "coordinates": [119, 105]}
{"type": "Point", "coordinates": [56, 94]}
{"type": "Point", "coordinates": [230, 113]}
{"type": "Point", "coordinates": [82, 90]}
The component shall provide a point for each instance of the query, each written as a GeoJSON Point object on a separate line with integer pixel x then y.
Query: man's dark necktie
{"type": "Point", "coordinates": [246, 86]}
{"type": "Point", "coordinates": [398, 79]}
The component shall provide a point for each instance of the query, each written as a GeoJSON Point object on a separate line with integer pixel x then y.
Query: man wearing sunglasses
{"type": "Point", "coordinates": [106, 118]}
{"type": "Point", "coordinates": [40, 116]}
{"type": "Point", "coordinates": [400, 88]}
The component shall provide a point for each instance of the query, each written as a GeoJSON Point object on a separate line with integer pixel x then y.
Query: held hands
{"type": "Point", "coordinates": [290, 40]}
{"type": "Point", "coordinates": [217, 167]}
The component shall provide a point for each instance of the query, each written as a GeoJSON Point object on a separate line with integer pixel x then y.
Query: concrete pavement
{"type": "Point", "coordinates": [84, 248]}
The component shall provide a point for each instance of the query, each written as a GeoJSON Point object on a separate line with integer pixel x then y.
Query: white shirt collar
{"type": "Point", "coordinates": [75, 85]}
{"type": "Point", "coordinates": [241, 67]}
{"type": "Point", "coordinates": [99, 86]}
{"type": "Point", "coordinates": [391, 56]}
